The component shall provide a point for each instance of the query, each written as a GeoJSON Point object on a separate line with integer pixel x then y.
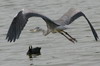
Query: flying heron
{"type": "Point", "coordinates": [54, 26]}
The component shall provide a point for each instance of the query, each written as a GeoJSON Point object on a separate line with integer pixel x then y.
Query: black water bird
{"type": "Point", "coordinates": [33, 52]}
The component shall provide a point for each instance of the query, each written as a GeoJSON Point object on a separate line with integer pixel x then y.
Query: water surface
{"type": "Point", "coordinates": [56, 49]}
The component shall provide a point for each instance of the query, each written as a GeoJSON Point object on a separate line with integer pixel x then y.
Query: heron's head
{"type": "Point", "coordinates": [36, 29]}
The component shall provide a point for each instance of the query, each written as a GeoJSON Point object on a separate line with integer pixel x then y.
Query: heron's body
{"type": "Point", "coordinates": [53, 26]}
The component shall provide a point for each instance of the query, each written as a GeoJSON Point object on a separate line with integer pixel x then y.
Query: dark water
{"type": "Point", "coordinates": [56, 49]}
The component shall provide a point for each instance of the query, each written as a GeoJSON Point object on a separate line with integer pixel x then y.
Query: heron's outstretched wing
{"type": "Point", "coordinates": [69, 17]}
{"type": "Point", "coordinates": [72, 15]}
{"type": "Point", "coordinates": [16, 27]}
{"type": "Point", "coordinates": [19, 23]}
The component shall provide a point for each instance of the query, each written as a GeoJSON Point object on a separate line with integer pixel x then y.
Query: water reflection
{"type": "Point", "coordinates": [31, 62]}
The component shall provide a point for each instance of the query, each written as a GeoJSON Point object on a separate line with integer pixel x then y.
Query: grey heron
{"type": "Point", "coordinates": [54, 26]}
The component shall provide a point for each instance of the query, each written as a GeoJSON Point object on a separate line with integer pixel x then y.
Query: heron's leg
{"type": "Point", "coordinates": [70, 36]}
{"type": "Point", "coordinates": [66, 36]}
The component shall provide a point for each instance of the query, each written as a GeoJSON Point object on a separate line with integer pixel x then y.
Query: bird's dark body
{"type": "Point", "coordinates": [33, 51]}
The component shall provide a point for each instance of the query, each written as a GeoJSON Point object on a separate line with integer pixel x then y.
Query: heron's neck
{"type": "Point", "coordinates": [45, 32]}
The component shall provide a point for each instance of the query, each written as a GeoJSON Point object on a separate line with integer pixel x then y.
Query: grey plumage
{"type": "Point", "coordinates": [53, 26]}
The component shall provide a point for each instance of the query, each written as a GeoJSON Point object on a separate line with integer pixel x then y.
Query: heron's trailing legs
{"type": "Point", "coordinates": [70, 39]}
{"type": "Point", "coordinates": [70, 36]}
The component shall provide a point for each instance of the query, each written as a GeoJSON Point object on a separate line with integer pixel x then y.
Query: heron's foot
{"type": "Point", "coordinates": [74, 39]}
{"type": "Point", "coordinates": [71, 40]}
